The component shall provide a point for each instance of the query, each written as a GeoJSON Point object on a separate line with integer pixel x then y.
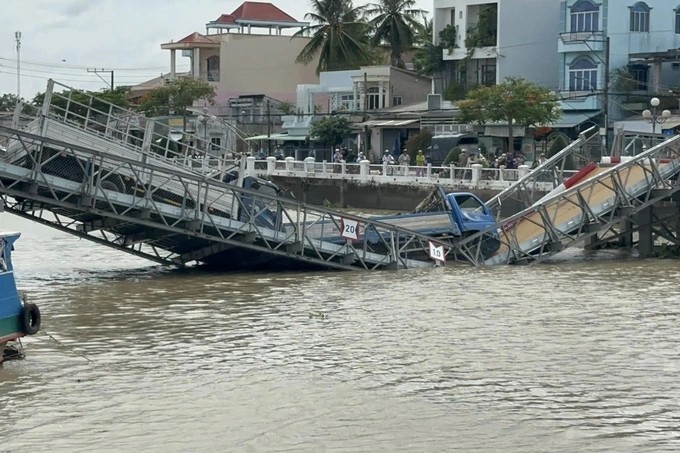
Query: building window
{"type": "Point", "coordinates": [677, 20]}
{"type": "Point", "coordinates": [488, 74]}
{"type": "Point", "coordinates": [375, 99]}
{"type": "Point", "coordinates": [582, 75]}
{"type": "Point", "coordinates": [215, 143]}
{"type": "Point", "coordinates": [585, 16]}
{"type": "Point", "coordinates": [346, 102]}
{"type": "Point", "coordinates": [214, 69]}
{"type": "Point", "coordinates": [396, 100]}
{"type": "Point", "coordinates": [639, 17]}
{"type": "Point", "coordinates": [640, 75]}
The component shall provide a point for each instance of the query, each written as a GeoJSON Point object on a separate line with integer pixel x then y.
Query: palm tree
{"type": "Point", "coordinates": [339, 37]}
{"type": "Point", "coordinates": [395, 23]}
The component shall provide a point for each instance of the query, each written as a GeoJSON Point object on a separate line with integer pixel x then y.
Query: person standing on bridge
{"type": "Point", "coordinates": [404, 162]}
{"type": "Point", "coordinates": [420, 163]}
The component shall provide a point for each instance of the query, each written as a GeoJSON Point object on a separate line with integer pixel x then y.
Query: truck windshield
{"type": "Point", "coordinates": [468, 203]}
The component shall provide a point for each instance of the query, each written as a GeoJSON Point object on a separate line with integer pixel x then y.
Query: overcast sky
{"type": "Point", "coordinates": [61, 39]}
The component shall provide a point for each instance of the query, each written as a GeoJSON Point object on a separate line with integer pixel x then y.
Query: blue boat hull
{"type": "Point", "coordinates": [16, 318]}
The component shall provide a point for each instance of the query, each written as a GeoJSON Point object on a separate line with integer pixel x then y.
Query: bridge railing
{"type": "Point", "coordinates": [475, 176]}
{"type": "Point", "coordinates": [133, 130]}
{"type": "Point", "coordinates": [590, 207]}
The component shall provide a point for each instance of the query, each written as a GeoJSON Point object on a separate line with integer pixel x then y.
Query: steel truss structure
{"type": "Point", "coordinates": [178, 217]}
{"type": "Point", "coordinates": [593, 210]}
{"type": "Point", "coordinates": [549, 174]}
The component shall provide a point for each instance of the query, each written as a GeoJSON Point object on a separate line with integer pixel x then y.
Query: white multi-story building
{"type": "Point", "coordinates": [634, 42]}
{"type": "Point", "coordinates": [495, 39]}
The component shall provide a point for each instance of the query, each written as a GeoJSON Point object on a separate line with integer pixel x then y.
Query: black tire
{"type": "Point", "coordinates": [30, 319]}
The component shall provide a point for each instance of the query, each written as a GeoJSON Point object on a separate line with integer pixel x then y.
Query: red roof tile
{"type": "Point", "coordinates": [196, 38]}
{"type": "Point", "coordinates": [226, 19]}
{"type": "Point", "coordinates": [261, 11]}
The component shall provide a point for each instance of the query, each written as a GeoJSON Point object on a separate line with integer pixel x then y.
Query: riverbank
{"type": "Point", "coordinates": [354, 194]}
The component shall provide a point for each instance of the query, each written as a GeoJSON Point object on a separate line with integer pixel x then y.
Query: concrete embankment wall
{"type": "Point", "coordinates": [342, 193]}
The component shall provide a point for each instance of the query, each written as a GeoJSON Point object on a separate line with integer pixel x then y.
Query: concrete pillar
{"type": "Point", "coordinates": [324, 167]}
{"type": "Point", "coordinates": [452, 170]}
{"type": "Point", "coordinates": [656, 77]}
{"type": "Point", "coordinates": [197, 63]}
{"type": "Point", "coordinates": [250, 166]}
{"type": "Point", "coordinates": [381, 94]}
{"type": "Point", "coordinates": [343, 167]}
{"type": "Point", "coordinates": [290, 163]}
{"type": "Point", "coordinates": [271, 165]}
{"type": "Point", "coordinates": [523, 170]}
{"type": "Point", "coordinates": [384, 169]}
{"type": "Point", "coordinates": [364, 168]}
{"type": "Point", "coordinates": [173, 64]}
{"type": "Point", "coordinates": [309, 165]}
{"type": "Point", "coordinates": [476, 174]}
{"type": "Point", "coordinates": [429, 170]}
{"type": "Point", "coordinates": [627, 238]}
{"type": "Point", "coordinates": [645, 239]}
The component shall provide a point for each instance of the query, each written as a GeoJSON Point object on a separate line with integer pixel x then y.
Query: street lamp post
{"type": "Point", "coordinates": [652, 115]}
{"type": "Point", "coordinates": [204, 120]}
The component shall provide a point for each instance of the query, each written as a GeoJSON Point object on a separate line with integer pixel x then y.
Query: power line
{"type": "Point", "coordinates": [72, 74]}
{"type": "Point", "coordinates": [66, 66]}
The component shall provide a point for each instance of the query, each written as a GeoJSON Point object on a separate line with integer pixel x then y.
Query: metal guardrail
{"type": "Point", "coordinates": [130, 129]}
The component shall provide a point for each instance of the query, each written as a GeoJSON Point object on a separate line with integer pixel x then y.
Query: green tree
{"type": "Point", "coordinates": [419, 141]}
{"type": "Point", "coordinates": [396, 24]}
{"type": "Point", "coordinates": [331, 130]}
{"type": "Point", "coordinates": [78, 102]}
{"type": "Point", "coordinates": [8, 102]}
{"type": "Point", "coordinates": [174, 97]}
{"type": "Point", "coordinates": [339, 36]}
{"type": "Point", "coordinates": [516, 102]}
{"type": "Point", "coordinates": [286, 107]}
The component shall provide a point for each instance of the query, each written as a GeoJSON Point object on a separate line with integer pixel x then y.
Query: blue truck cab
{"type": "Point", "coordinates": [468, 213]}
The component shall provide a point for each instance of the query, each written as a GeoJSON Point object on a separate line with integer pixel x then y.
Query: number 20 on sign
{"type": "Point", "coordinates": [350, 229]}
{"type": "Point", "coordinates": [437, 252]}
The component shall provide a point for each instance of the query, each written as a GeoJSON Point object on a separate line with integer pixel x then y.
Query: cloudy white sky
{"type": "Point", "coordinates": [61, 39]}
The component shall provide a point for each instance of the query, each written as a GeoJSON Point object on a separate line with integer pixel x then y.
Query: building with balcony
{"type": "Point", "coordinates": [634, 42]}
{"type": "Point", "coordinates": [496, 39]}
{"type": "Point", "coordinates": [250, 51]}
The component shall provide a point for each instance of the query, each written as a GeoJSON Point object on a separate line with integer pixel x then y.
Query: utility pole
{"type": "Point", "coordinates": [606, 96]}
{"type": "Point", "coordinates": [97, 71]}
{"type": "Point", "coordinates": [17, 36]}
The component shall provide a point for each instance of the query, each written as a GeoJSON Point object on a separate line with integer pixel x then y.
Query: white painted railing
{"type": "Point", "coordinates": [474, 177]}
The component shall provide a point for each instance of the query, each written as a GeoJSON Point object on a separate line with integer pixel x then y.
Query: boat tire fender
{"type": "Point", "coordinates": [30, 319]}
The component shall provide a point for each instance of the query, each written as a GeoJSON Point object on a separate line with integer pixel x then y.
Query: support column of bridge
{"type": "Point", "coordinates": [645, 235]}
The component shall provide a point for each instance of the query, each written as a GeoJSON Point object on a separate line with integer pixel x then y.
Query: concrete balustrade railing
{"type": "Point", "coordinates": [473, 177]}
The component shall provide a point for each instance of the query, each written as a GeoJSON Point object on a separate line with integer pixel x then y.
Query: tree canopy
{"type": "Point", "coordinates": [516, 102]}
{"type": "Point", "coordinates": [331, 130]}
{"type": "Point", "coordinates": [338, 36]}
{"type": "Point", "coordinates": [174, 97]}
{"type": "Point", "coordinates": [8, 102]}
{"type": "Point", "coordinates": [395, 23]}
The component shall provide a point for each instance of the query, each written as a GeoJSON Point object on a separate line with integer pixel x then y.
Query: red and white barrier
{"type": "Point", "coordinates": [571, 182]}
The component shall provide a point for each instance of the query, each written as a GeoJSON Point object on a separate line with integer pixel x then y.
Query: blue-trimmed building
{"type": "Point", "coordinates": [643, 59]}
